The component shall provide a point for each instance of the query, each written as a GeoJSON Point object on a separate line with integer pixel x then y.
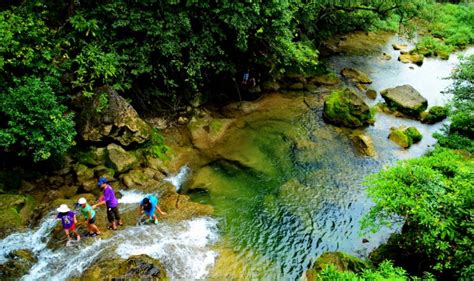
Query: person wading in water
{"type": "Point", "coordinates": [111, 202]}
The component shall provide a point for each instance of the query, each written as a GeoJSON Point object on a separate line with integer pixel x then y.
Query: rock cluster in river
{"type": "Point", "coordinates": [345, 108]}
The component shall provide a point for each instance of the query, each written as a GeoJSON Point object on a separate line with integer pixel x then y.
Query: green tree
{"type": "Point", "coordinates": [33, 123]}
{"type": "Point", "coordinates": [433, 198]}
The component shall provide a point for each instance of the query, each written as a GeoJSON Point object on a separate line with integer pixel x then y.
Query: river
{"type": "Point", "coordinates": [269, 224]}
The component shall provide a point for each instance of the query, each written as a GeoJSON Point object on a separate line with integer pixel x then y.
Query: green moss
{"type": "Point", "coordinates": [399, 137]}
{"type": "Point", "coordinates": [435, 114]}
{"type": "Point", "coordinates": [341, 262]}
{"type": "Point", "coordinates": [343, 107]}
{"type": "Point", "coordinates": [9, 218]}
{"type": "Point", "coordinates": [413, 134]}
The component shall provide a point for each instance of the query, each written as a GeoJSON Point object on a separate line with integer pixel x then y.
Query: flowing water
{"type": "Point", "coordinates": [303, 196]}
{"type": "Point", "coordinates": [183, 248]}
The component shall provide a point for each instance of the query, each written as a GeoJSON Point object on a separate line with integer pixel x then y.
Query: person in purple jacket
{"type": "Point", "coordinates": [111, 202]}
{"type": "Point", "coordinates": [68, 220]}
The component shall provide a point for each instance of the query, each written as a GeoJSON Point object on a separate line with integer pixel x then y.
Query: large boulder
{"type": "Point", "coordinates": [356, 75]}
{"type": "Point", "coordinates": [140, 267]}
{"type": "Point", "coordinates": [121, 160]}
{"type": "Point", "coordinates": [113, 118]}
{"type": "Point", "coordinates": [405, 99]}
{"type": "Point", "coordinates": [341, 262]}
{"type": "Point", "coordinates": [345, 108]}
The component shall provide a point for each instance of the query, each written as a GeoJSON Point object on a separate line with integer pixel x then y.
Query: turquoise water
{"type": "Point", "coordinates": [310, 196]}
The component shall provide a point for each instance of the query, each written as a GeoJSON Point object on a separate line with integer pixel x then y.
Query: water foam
{"type": "Point", "coordinates": [183, 248]}
{"type": "Point", "coordinates": [178, 179]}
{"type": "Point", "coordinates": [131, 196]}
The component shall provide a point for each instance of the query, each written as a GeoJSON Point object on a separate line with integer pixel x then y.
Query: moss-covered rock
{"type": "Point", "coordinates": [411, 58]}
{"type": "Point", "coordinates": [405, 99]}
{"type": "Point", "coordinates": [399, 46]}
{"type": "Point", "coordinates": [341, 261]}
{"type": "Point", "coordinates": [398, 136]}
{"type": "Point", "coordinates": [413, 134]}
{"type": "Point", "coordinates": [345, 108]}
{"type": "Point", "coordinates": [18, 264]}
{"type": "Point", "coordinates": [121, 160]}
{"type": "Point", "coordinates": [324, 80]}
{"type": "Point", "coordinates": [404, 136]}
{"type": "Point", "coordinates": [435, 114]}
{"type": "Point", "coordinates": [140, 267]}
{"type": "Point", "coordinates": [15, 212]}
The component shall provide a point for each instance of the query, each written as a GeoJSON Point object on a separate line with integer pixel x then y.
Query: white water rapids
{"type": "Point", "coordinates": [183, 248]}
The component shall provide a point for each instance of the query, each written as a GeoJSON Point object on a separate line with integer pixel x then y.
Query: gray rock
{"type": "Point", "coordinates": [356, 75]}
{"type": "Point", "coordinates": [121, 160]}
{"type": "Point", "coordinates": [405, 99]}
{"type": "Point", "coordinates": [364, 144]}
{"type": "Point", "coordinates": [118, 120]}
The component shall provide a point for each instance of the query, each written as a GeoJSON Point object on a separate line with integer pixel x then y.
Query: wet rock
{"type": "Point", "coordinates": [356, 75]}
{"type": "Point", "coordinates": [180, 207]}
{"type": "Point", "coordinates": [90, 185]}
{"type": "Point", "coordinates": [399, 46]}
{"type": "Point", "coordinates": [411, 58]}
{"type": "Point", "coordinates": [117, 120]}
{"type": "Point", "coordinates": [371, 94]}
{"type": "Point", "coordinates": [156, 164]}
{"type": "Point", "coordinates": [93, 157]}
{"type": "Point", "coordinates": [435, 114]}
{"type": "Point", "coordinates": [345, 108]}
{"type": "Point", "coordinates": [121, 160]}
{"type": "Point", "coordinates": [26, 186]}
{"type": "Point", "coordinates": [404, 136]}
{"type": "Point", "coordinates": [140, 267]}
{"type": "Point", "coordinates": [18, 264]}
{"type": "Point", "coordinates": [364, 144]}
{"type": "Point", "coordinates": [324, 80]}
{"type": "Point", "coordinates": [56, 181]}
{"type": "Point", "coordinates": [341, 262]}
{"type": "Point", "coordinates": [361, 87]}
{"type": "Point", "coordinates": [205, 132]}
{"type": "Point", "coordinates": [405, 99]}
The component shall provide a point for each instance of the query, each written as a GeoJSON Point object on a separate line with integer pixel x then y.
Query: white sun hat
{"type": "Point", "coordinates": [82, 200]}
{"type": "Point", "coordinates": [63, 208]}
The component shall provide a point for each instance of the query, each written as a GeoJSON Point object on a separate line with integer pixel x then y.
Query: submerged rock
{"type": "Point", "coordinates": [341, 262]}
{"type": "Point", "coordinates": [371, 94]}
{"type": "Point", "coordinates": [411, 58]}
{"type": "Point", "coordinates": [405, 99]}
{"type": "Point", "coordinates": [356, 75]}
{"type": "Point", "coordinates": [20, 261]}
{"type": "Point", "coordinates": [140, 267]}
{"type": "Point", "coordinates": [112, 118]}
{"type": "Point", "coordinates": [324, 80]}
{"type": "Point", "coordinates": [364, 144]}
{"type": "Point", "coordinates": [345, 108]}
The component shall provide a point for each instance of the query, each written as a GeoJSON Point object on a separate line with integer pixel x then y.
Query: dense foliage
{"type": "Point", "coordinates": [162, 54]}
{"type": "Point", "coordinates": [433, 196]}
{"type": "Point", "coordinates": [385, 271]}
{"type": "Point", "coordinates": [449, 27]}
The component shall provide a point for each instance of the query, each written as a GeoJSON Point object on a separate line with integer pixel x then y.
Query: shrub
{"type": "Point", "coordinates": [34, 123]}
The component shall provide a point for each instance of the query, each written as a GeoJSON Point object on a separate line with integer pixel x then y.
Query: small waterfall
{"type": "Point", "coordinates": [178, 179]}
{"type": "Point", "coordinates": [183, 247]}
{"type": "Point", "coordinates": [131, 196]}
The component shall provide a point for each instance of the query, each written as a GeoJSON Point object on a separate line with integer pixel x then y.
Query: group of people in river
{"type": "Point", "coordinates": [147, 206]}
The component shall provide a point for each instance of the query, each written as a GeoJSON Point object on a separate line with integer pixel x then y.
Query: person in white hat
{"type": "Point", "coordinates": [89, 216]}
{"type": "Point", "coordinates": [68, 219]}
